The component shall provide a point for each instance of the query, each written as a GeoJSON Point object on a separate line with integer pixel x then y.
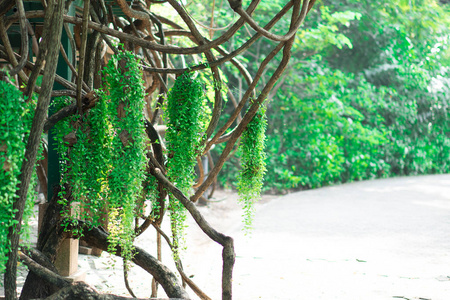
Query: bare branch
{"type": "Point", "coordinates": [24, 38]}
{"type": "Point", "coordinates": [50, 276]}
{"type": "Point", "coordinates": [274, 37]}
{"type": "Point", "coordinates": [82, 54]}
{"type": "Point", "coordinates": [228, 255]}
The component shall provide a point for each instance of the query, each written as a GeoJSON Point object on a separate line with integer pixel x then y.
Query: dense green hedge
{"type": "Point", "coordinates": [335, 127]}
{"type": "Point", "coordinates": [366, 96]}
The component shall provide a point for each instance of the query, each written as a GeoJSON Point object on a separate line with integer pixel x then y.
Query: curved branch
{"type": "Point", "coordinates": [274, 37]}
{"type": "Point", "coordinates": [132, 13]}
{"type": "Point", "coordinates": [24, 38]}
{"type": "Point", "coordinates": [226, 56]}
{"type": "Point", "coordinates": [252, 86]}
{"type": "Point", "coordinates": [179, 266]}
{"type": "Point", "coordinates": [241, 104]}
{"type": "Point", "coordinates": [211, 163]}
{"type": "Point", "coordinates": [141, 42]}
{"type": "Point", "coordinates": [201, 171]}
{"type": "Point", "coordinates": [48, 275]}
{"type": "Point", "coordinates": [228, 255]}
{"type": "Point", "coordinates": [247, 118]}
{"type": "Point", "coordinates": [253, 109]}
{"type": "Point", "coordinates": [125, 279]}
{"type": "Point", "coordinates": [168, 280]}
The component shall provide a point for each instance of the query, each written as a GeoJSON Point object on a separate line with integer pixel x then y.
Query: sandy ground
{"type": "Point", "coordinates": [381, 239]}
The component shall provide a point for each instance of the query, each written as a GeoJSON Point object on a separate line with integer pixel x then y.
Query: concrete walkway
{"type": "Point", "coordinates": [380, 239]}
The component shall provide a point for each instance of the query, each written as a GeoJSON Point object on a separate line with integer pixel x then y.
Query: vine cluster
{"type": "Point", "coordinates": [186, 118]}
{"type": "Point", "coordinates": [104, 153]}
{"type": "Point", "coordinates": [253, 165]}
{"type": "Point", "coordinates": [15, 124]}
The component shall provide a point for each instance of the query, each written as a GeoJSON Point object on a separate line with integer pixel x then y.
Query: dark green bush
{"type": "Point", "coordinates": [366, 96]}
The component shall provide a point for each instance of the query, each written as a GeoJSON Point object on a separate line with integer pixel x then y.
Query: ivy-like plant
{"type": "Point", "coordinates": [124, 82]}
{"type": "Point", "coordinates": [63, 130]}
{"type": "Point", "coordinates": [253, 165]}
{"type": "Point", "coordinates": [185, 115]}
{"type": "Point", "coordinates": [106, 164]}
{"type": "Point", "coordinates": [15, 124]}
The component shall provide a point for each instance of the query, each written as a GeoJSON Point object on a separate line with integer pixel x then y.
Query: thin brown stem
{"type": "Point", "coordinates": [84, 35]}
{"type": "Point", "coordinates": [9, 51]}
{"type": "Point", "coordinates": [179, 266]}
{"type": "Point", "coordinates": [24, 38]}
{"type": "Point", "coordinates": [228, 255]}
{"type": "Point", "coordinates": [125, 279]}
{"type": "Point", "coordinates": [71, 67]}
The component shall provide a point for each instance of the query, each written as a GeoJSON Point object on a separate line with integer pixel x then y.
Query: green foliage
{"type": "Point", "coordinates": [327, 32]}
{"type": "Point", "coordinates": [126, 89]}
{"type": "Point", "coordinates": [63, 129]}
{"type": "Point", "coordinates": [365, 96]}
{"type": "Point", "coordinates": [91, 182]}
{"type": "Point", "coordinates": [185, 125]}
{"type": "Point", "coordinates": [15, 125]}
{"type": "Point", "coordinates": [253, 167]}
{"type": "Point", "coordinates": [88, 165]}
{"type": "Point", "coordinates": [106, 165]}
{"type": "Point", "coordinates": [323, 138]}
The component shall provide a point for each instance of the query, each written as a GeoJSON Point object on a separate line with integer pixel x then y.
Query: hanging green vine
{"type": "Point", "coordinates": [62, 131]}
{"type": "Point", "coordinates": [91, 156]}
{"type": "Point", "coordinates": [185, 125]}
{"type": "Point", "coordinates": [104, 152]}
{"type": "Point", "coordinates": [84, 149]}
{"type": "Point", "coordinates": [151, 195]}
{"type": "Point", "coordinates": [15, 125]}
{"type": "Point", "coordinates": [253, 166]}
{"type": "Point", "coordinates": [126, 105]}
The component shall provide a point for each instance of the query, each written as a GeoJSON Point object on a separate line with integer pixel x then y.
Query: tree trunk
{"type": "Point", "coordinates": [48, 243]}
{"type": "Point", "coordinates": [53, 27]}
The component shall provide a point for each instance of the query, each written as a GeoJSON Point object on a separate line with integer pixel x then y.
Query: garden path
{"type": "Point", "coordinates": [379, 239]}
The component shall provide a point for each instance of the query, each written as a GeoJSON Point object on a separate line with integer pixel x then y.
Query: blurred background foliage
{"type": "Point", "coordinates": [366, 94]}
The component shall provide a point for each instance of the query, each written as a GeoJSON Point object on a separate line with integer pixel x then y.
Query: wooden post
{"type": "Point", "coordinates": [67, 256]}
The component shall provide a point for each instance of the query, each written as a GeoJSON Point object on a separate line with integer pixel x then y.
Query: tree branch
{"type": "Point", "coordinates": [228, 255]}
{"type": "Point", "coordinates": [168, 280]}
{"type": "Point", "coordinates": [49, 276]}
{"type": "Point", "coordinates": [55, 10]}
